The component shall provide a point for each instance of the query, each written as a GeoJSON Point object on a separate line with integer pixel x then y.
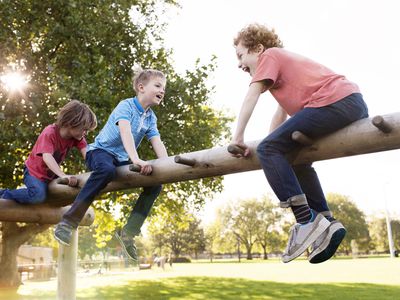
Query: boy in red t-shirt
{"type": "Point", "coordinates": [50, 150]}
{"type": "Point", "coordinates": [319, 102]}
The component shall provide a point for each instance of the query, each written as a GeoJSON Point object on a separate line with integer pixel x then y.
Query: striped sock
{"type": "Point", "coordinates": [302, 213]}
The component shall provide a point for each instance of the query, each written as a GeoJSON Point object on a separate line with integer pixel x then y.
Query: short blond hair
{"type": "Point", "coordinates": [143, 76]}
{"type": "Point", "coordinates": [76, 114]}
{"type": "Point", "coordinates": [254, 34]}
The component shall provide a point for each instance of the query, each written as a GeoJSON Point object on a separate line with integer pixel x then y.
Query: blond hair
{"type": "Point", "coordinates": [255, 34]}
{"type": "Point", "coordinates": [76, 114]}
{"type": "Point", "coordinates": [143, 76]}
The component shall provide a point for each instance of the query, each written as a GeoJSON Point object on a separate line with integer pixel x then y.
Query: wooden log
{"type": "Point", "coordinates": [67, 265]}
{"type": "Point", "coordinates": [185, 161]}
{"type": "Point", "coordinates": [301, 138]}
{"type": "Point", "coordinates": [380, 123]}
{"type": "Point", "coordinates": [361, 137]}
{"type": "Point", "coordinates": [11, 211]}
{"type": "Point", "coordinates": [234, 149]}
{"type": "Point", "coordinates": [134, 168]}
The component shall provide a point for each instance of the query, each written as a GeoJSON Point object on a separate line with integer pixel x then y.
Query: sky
{"type": "Point", "coordinates": [356, 38]}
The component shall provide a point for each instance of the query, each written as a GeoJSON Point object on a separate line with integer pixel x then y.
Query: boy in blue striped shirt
{"type": "Point", "coordinates": [116, 145]}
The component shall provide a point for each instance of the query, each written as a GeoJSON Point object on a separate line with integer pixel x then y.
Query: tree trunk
{"type": "Point", "coordinates": [265, 251]}
{"type": "Point", "coordinates": [9, 276]}
{"type": "Point", "coordinates": [249, 255]}
{"type": "Point", "coordinates": [13, 236]}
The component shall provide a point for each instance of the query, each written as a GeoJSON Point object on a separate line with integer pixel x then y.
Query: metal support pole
{"type": "Point", "coordinates": [390, 235]}
{"type": "Point", "coordinates": [67, 264]}
{"type": "Point", "coordinates": [388, 225]}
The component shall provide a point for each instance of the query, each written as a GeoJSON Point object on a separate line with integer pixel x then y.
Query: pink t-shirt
{"type": "Point", "coordinates": [50, 141]}
{"type": "Point", "coordinates": [299, 82]}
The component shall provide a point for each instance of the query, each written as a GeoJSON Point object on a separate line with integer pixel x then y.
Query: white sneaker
{"type": "Point", "coordinates": [302, 236]}
{"type": "Point", "coordinates": [327, 243]}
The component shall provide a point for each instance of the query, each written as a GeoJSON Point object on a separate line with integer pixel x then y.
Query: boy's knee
{"type": "Point", "coordinates": [37, 197]}
{"type": "Point", "coordinates": [263, 147]}
{"type": "Point", "coordinates": [105, 170]}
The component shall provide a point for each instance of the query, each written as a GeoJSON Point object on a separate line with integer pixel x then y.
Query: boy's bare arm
{"type": "Point", "coordinates": [279, 117]}
{"type": "Point", "coordinates": [127, 139]}
{"type": "Point", "coordinates": [246, 110]}
{"type": "Point", "coordinates": [83, 152]}
{"type": "Point", "coordinates": [129, 145]}
{"type": "Point", "coordinates": [159, 147]}
{"type": "Point", "coordinates": [51, 163]}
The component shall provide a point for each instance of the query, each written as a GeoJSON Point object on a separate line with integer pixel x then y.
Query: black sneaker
{"type": "Point", "coordinates": [63, 233]}
{"type": "Point", "coordinates": [128, 244]}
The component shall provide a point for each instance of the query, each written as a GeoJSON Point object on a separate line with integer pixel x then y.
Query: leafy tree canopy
{"type": "Point", "coordinates": [86, 50]}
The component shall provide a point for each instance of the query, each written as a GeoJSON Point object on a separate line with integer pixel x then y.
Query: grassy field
{"type": "Point", "coordinates": [372, 278]}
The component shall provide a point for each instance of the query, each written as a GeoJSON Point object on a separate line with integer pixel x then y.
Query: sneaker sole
{"type": "Point", "coordinates": [123, 246]}
{"type": "Point", "coordinates": [61, 241]}
{"type": "Point", "coordinates": [325, 252]}
{"type": "Point", "coordinates": [323, 224]}
{"type": "Point", "coordinates": [333, 228]}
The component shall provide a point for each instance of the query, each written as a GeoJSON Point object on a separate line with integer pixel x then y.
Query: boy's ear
{"type": "Point", "coordinates": [260, 48]}
{"type": "Point", "coordinates": [140, 87]}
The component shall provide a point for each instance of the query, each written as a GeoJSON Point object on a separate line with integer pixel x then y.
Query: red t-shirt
{"type": "Point", "coordinates": [299, 82]}
{"type": "Point", "coordinates": [50, 141]}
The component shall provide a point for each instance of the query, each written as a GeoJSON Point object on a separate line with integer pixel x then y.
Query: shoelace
{"type": "Point", "coordinates": [291, 237]}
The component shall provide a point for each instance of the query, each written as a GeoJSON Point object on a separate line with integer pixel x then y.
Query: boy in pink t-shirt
{"type": "Point", "coordinates": [319, 102]}
{"type": "Point", "coordinates": [50, 150]}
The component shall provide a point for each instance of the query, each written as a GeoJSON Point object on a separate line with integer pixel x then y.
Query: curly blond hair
{"type": "Point", "coordinates": [254, 34]}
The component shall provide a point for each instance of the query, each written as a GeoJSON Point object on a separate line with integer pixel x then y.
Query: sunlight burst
{"type": "Point", "coordinates": [14, 81]}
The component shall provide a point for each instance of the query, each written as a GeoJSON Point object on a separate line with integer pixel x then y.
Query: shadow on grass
{"type": "Point", "coordinates": [227, 288]}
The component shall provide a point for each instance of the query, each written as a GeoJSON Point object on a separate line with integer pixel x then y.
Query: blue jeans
{"type": "Point", "coordinates": [288, 181]}
{"type": "Point", "coordinates": [103, 165]}
{"type": "Point", "coordinates": [35, 191]}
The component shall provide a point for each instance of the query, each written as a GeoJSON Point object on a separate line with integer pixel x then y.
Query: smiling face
{"type": "Point", "coordinates": [248, 59]}
{"type": "Point", "coordinates": [152, 92]}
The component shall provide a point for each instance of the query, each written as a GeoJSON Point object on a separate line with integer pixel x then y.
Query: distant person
{"type": "Point", "coordinates": [319, 102]}
{"type": "Point", "coordinates": [116, 145]}
{"type": "Point", "coordinates": [74, 120]}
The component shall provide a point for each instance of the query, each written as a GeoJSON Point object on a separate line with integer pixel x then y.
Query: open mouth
{"type": "Point", "coordinates": [246, 69]}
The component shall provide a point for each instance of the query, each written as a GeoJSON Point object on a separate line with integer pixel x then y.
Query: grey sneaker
{"type": "Point", "coordinates": [128, 244]}
{"type": "Point", "coordinates": [303, 235]}
{"type": "Point", "coordinates": [326, 245]}
{"type": "Point", "coordinates": [63, 233]}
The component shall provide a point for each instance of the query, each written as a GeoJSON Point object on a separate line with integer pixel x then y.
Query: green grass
{"type": "Point", "coordinates": [336, 279]}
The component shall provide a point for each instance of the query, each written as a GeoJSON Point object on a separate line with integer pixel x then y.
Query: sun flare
{"type": "Point", "coordinates": [14, 81]}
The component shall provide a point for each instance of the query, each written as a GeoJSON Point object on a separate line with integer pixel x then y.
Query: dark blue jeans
{"type": "Point", "coordinates": [103, 165]}
{"type": "Point", "coordinates": [35, 191]}
{"type": "Point", "coordinates": [288, 181]}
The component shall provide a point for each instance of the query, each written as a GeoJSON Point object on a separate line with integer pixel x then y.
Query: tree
{"type": "Point", "coordinates": [269, 235]}
{"type": "Point", "coordinates": [379, 234]}
{"type": "Point", "coordinates": [352, 218]}
{"type": "Point", "coordinates": [212, 234]}
{"type": "Point", "coordinates": [86, 50]}
{"type": "Point", "coordinates": [244, 219]}
{"type": "Point", "coordinates": [176, 231]}
{"type": "Point", "coordinates": [196, 241]}
{"type": "Point", "coordinates": [396, 234]}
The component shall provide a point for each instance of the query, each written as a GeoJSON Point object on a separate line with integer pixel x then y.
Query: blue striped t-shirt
{"type": "Point", "coordinates": [143, 123]}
